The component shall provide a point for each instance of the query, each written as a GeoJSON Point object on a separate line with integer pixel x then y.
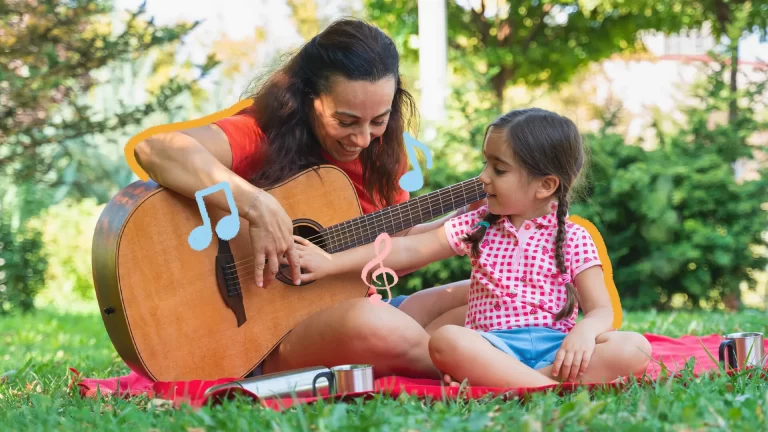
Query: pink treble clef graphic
{"type": "Point", "coordinates": [379, 259]}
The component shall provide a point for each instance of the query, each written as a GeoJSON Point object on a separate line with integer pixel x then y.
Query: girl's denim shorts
{"type": "Point", "coordinates": [535, 347]}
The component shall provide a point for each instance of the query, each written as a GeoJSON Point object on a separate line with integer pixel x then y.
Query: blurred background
{"type": "Point", "coordinates": [670, 96]}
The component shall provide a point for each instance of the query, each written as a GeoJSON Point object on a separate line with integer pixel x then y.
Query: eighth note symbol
{"type": "Point", "coordinates": [380, 255]}
{"type": "Point", "coordinates": [413, 180]}
{"type": "Point", "coordinates": [226, 228]}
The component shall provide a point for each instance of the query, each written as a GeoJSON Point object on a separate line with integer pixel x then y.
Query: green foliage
{"type": "Point", "coordinates": [22, 267]}
{"type": "Point", "coordinates": [533, 43]}
{"type": "Point", "coordinates": [67, 229]}
{"type": "Point", "coordinates": [51, 53]}
{"type": "Point", "coordinates": [66, 104]}
{"type": "Point", "coordinates": [675, 219]}
{"type": "Point", "coordinates": [22, 252]}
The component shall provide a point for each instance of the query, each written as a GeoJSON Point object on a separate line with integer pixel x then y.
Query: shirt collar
{"type": "Point", "coordinates": [546, 221]}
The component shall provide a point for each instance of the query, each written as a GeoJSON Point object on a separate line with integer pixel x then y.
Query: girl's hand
{"type": "Point", "coordinates": [315, 262]}
{"type": "Point", "coordinates": [572, 359]}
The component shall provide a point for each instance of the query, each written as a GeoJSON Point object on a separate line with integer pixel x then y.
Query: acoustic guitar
{"type": "Point", "coordinates": [176, 313]}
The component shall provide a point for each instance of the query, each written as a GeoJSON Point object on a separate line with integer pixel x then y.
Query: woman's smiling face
{"type": "Point", "coordinates": [352, 115]}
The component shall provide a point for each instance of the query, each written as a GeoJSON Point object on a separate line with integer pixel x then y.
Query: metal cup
{"type": "Point", "coordinates": [347, 379]}
{"type": "Point", "coordinates": [743, 349]}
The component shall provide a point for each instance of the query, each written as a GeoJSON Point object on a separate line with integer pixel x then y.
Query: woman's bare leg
{"type": "Point", "coordinates": [463, 354]}
{"type": "Point", "coordinates": [617, 354]}
{"type": "Point", "coordinates": [357, 331]}
{"type": "Point", "coordinates": [437, 303]}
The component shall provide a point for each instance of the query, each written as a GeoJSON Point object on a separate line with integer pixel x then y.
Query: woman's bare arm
{"type": "Point", "coordinates": [194, 159]}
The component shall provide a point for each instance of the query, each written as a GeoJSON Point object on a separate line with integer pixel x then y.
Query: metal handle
{"type": "Point", "coordinates": [328, 376]}
{"type": "Point", "coordinates": [731, 345]}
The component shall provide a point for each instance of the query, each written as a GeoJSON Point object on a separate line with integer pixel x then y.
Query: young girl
{"type": "Point", "coordinates": [531, 268]}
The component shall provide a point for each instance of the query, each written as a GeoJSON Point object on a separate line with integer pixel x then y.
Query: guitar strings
{"type": "Point", "coordinates": [344, 238]}
{"type": "Point", "coordinates": [242, 271]}
{"type": "Point", "coordinates": [335, 230]}
{"type": "Point", "coordinates": [340, 231]}
{"type": "Point", "coordinates": [248, 270]}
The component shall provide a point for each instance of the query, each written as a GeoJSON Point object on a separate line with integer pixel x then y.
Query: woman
{"type": "Point", "coordinates": [339, 100]}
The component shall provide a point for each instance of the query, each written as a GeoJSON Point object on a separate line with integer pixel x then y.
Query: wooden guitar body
{"type": "Point", "coordinates": [175, 313]}
{"type": "Point", "coordinates": [159, 297]}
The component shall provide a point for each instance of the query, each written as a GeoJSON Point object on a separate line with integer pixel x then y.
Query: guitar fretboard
{"type": "Point", "coordinates": [365, 229]}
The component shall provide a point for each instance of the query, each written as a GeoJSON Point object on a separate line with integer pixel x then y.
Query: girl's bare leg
{"type": "Point", "coordinates": [454, 316]}
{"type": "Point", "coordinates": [357, 331]}
{"type": "Point", "coordinates": [463, 354]}
{"type": "Point", "coordinates": [438, 304]}
{"type": "Point", "coordinates": [617, 354]}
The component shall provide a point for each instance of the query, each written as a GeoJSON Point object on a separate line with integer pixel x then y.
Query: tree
{"type": "Point", "coordinates": [50, 54]}
{"type": "Point", "coordinates": [56, 56]}
{"type": "Point", "coordinates": [732, 20]}
{"type": "Point", "coordinates": [544, 43]}
{"type": "Point", "coordinates": [531, 43]}
{"type": "Point", "coordinates": [675, 219]}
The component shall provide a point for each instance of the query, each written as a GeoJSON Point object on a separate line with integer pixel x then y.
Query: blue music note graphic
{"type": "Point", "coordinates": [227, 228]}
{"type": "Point", "coordinates": [413, 180]}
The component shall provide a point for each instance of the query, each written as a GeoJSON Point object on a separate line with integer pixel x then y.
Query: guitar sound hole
{"type": "Point", "coordinates": [310, 231]}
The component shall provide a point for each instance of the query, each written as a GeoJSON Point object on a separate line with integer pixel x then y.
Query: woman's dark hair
{"type": "Point", "coordinates": [283, 106]}
{"type": "Point", "coordinates": [544, 143]}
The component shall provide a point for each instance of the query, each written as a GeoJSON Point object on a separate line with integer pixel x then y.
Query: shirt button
{"type": "Point", "coordinates": [527, 226]}
{"type": "Point", "coordinates": [516, 242]}
{"type": "Point", "coordinates": [497, 306]}
{"type": "Point", "coordinates": [523, 279]}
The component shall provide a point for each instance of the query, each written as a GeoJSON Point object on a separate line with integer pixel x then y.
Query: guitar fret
{"type": "Point", "coordinates": [393, 219]}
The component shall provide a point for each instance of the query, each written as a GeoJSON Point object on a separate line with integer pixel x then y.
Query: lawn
{"type": "Point", "coordinates": [36, 350]}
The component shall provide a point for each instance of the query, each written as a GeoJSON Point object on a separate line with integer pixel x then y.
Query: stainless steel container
{"type": "Point", "coordinates": [281, 384]}
{"type": "Point", "coordinates": [743, 349]}
{"type": "Point", "coordinates": [346, 379]}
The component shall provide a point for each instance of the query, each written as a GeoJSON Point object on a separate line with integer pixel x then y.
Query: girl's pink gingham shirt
{"type": "Point", "coordinates": [515, 282]}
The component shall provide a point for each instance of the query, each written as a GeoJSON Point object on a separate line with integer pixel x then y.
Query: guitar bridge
{"type": "Point", "coordinates": [229, 282]}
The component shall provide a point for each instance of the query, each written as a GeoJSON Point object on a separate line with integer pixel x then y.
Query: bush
{"type": "Point", "coordinates": [675, 219]}
{"type": "Point", "coordinates": [22, 265]}
{"type": "Point", "coordinates": [67, 230]}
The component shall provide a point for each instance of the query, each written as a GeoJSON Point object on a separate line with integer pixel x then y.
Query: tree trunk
{"type": "Point", "coordinates": [499, 83]}
{"type": "Point", "coordinates": [732, 104]}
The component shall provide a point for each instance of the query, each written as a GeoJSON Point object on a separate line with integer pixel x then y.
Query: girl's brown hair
{"type": "Point", "coordinates": [283, 106]}
{"type": "Point", "coordinates": [544, 143]}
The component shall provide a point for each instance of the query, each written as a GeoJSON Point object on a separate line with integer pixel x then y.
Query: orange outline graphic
{"type": "Point", "coordinates": [173, 127]}
{"type": "Point", "coordinates": [602, 251]}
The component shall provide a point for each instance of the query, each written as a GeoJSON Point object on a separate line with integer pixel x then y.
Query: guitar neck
{"type": "Point", "coordinates": [365, 229]}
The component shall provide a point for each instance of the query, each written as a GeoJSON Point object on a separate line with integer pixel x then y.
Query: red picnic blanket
{"type": "Point", "coordinates": [672, 353]}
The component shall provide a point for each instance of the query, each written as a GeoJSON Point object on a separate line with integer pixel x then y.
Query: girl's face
{"type": "Point", "coordinates": [510, 188]}
{"type": "Point", "coordinates": [352, 115]}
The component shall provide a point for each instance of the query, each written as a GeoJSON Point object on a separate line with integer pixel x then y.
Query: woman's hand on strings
{"type": "Point", "coordinates": [315, 262]}
{"type": "Point", "coordinates": [271, 232]}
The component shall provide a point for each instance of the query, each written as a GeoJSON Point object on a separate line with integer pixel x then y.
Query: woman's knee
{"type": "Point", "coordinates": [383, 330]}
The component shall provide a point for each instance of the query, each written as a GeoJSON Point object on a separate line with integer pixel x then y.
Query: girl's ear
{"type": "Point", "coordinates": [547, 187]}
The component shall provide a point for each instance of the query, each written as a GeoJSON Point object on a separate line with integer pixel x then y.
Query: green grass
{"type": "Point", "coordinates": [36, 350]}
